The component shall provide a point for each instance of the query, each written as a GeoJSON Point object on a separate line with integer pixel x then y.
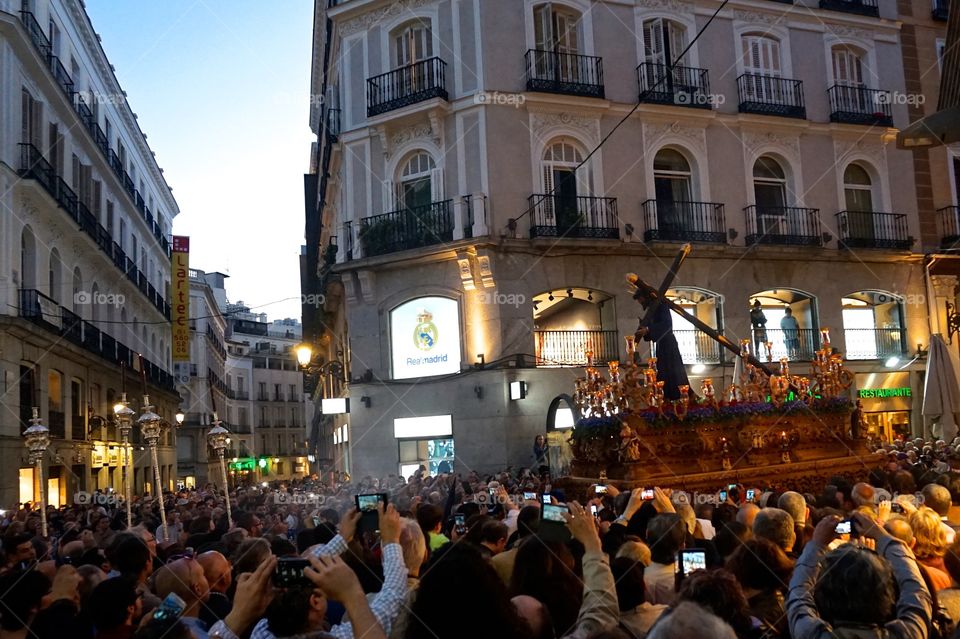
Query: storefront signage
{"type": "Point", "coordinates": [879, 393]}
{"type": "Point", "coordinates": [425, 338]}
{"type": "Point", "coordinates": [242, 465]}
{"type": "Point", "coordinates": [180, 305]}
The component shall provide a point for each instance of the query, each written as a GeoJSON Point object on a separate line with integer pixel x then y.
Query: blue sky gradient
{"type": "Point", "coordinates": [221, 89]}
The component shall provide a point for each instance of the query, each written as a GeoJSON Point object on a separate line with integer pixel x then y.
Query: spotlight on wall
{"type": "Point", "coordinates": [366, 401]}
{"type": "Point", "coordinates": [569, 292]}
{"type": "Point", "coordinates": [335, 405]}
{"type": "Point", "coordinates": [518, 390]}
{"type": "Point", "coordinates": [550, 297]}
{"type": "Point", "coordinates": [698, 369]}
{"type": "Point", "coordinates": [589, 296]}
{"type": "Point", "coordinates": [892, 361]}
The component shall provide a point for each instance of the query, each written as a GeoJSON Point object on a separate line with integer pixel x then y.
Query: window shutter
{"type": "Point", "coordinates": [677, 40]}
{"type": "Point", "coordinates": [436, 185]}
{"type": "Point", "coordinates": [96, 198]}
{"type": "Point", "coordinates": [653, 41]}
{"type": "Point", "coordinates": [543, 39]}
{"type": "Point", "coordinates": [547, 204]}
{"type": "Point", "coordinates": [25, 116]}
{"type": "Point", "coordinates": [389, 196]}
{"type": "Point", "coordinates": [37, 118]}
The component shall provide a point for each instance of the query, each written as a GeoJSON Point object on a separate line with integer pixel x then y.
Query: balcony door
{"type": "Point", "coordinates": [557, 40]}
{"type": "Point", "coordinates": [770, 196]}
{"type": "Point", "coordinates": [848, 77]}
{"type": "Point", "coordinates": [412, 44]}
{"type": "Point", "coordinates": [672, 185]}
{"type": "Point", "coordinates": [566, 183]}
{"type": "Point", "coordinates": [416, 187]}
{"type": "Point", "coordinates": [858, 195]}
{"type": "Point", "coordinates": [761, 60]}
{"type": "Point", "coordinates": [662, 40]}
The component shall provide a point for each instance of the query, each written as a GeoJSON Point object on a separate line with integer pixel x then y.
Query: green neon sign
{"type": "Point", "coordinates": [881, 393]}
{"type": "Point", "coordinates": [242, 465]}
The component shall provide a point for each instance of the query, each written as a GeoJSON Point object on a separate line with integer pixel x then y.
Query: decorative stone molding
{"type": "Point", "coordinates": [693, 137]}
{"type": "Point", "coordinates": [755, 141]}
{"type": "Point", "coordinates": [486, 271]}
{"type": "Point", "coordinates": [392, 139]}
{"type": "Point", "coordinates": [848, 31]}
{"type": "Point", "coordinates": [875, 151]}
{"type": "Point", "coordinates": [373, 18]}
{"type": "Point", "coordinates": [944, 286]}
{"type": "Point", "coordinates": [543, 123]}
{"type": "Point", "coordinates": [674, 6]}
{"type": "Point", "coordinates": [367, 280]}
{"type": "Point", "coordinates": [756, 16]}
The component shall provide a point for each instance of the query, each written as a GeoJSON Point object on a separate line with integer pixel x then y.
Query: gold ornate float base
{"type": "Point", "coordinates": [798, 447]}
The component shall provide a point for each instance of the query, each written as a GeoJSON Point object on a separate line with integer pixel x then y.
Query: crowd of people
{"type": "Point", "coordinates": [507, 555]}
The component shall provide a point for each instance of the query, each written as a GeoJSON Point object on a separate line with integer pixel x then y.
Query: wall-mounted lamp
{"type": "Point", "coordinates": [335, 406]}
{"type": "Point", "coordinates": [518, 390]}
{"type": "Point", "coordinates": [732, 234]}
{"type": "Point", "coordinates": [920, 352]}
{"type": "Point", "coordinates": [826, 237]}
{"type": "Point", "coordinates": [366, 401]}
{"type": "Point", "coordinates": [892, 361]}
{"type": "Point", "coordinates": [481, 361]}
{"type": "Point", "coordinates": [478, 391]}
{"type": "Point", "coordinates": [698, 369]}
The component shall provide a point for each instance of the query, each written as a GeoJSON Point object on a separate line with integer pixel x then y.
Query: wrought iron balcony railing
{"type": "Point", "coordinates": [568, 73]}
{"type": "Point", "coordinates": [860, 7]}
{"type": "Point", "coordinates": [407, 229]}
{"type": "Point", "coordinates": [678, 85]}
{"type": "Point", "coordinates": [869, 229]}
{"type": "Point", "coordinates": [796, 345]}
{"type": "Point", "coordinates": [783, 225]}
{"type": "Point", "coordinates": [34, 166]}
{"type": "Point", "coordinates": [407, 85]}
{"type": "Point", "coordinates": [941, 9]}
{"type": "Point", "coordinates": [569, 348]}
{"type": "Point", "coordinates": [859, 105]}
{"type": "Point", "coordinates": [696, 347]}
{"type": "Point", "coordinates": [574, 217]}
{"type": "Point", "coordinates": [769, 95]}
{"type": "Point", "coordinates": [45, 312]}
{"type": "Point", "coordinates": [948, 219]}
{"type": "Point", "coordinates": [684, 222]}
{"type": "Point", "coordinates": [874, 343]}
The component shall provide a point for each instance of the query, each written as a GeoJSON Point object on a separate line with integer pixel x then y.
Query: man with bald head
{"type": "Point", "coordinates": [217, 570]}
{"type": "Point", "coordinates": [747, 513]}
{"type": "Point", "coordinates": [185, 578]}
{"type": "Point", "coordinates": [864, 496]}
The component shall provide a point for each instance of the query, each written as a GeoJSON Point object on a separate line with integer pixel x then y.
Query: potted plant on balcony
{"type": "Point", "coordinates": [376, 237]}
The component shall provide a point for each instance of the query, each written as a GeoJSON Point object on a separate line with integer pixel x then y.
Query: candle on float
{"type": "Point", "coordinates": [631, 345]}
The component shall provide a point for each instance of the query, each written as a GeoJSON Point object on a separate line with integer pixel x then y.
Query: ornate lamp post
{"type": "Point", "coordinates": [218, 438]}
{"type": "Point", "coordinates": [124, 415]}
{"type": "Point", "coordinates": [37, 440]}
{"type": "Point", "coordinates": [150, 428]}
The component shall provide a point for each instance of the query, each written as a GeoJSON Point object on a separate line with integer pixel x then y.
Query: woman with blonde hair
{"type": "Point", "coordinates": [930, 545]}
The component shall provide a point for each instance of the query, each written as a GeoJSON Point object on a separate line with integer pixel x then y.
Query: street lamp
{"type": "Point", "coordinates": [124, 415]}
{"type": "Point", "coordinates": [179, 417]}
{"type": "Point", "coordinates": [37, 440]}
{"type": "Point", "coordinates": [304, 355]}
{"type": "Point", "coordinates": [218, 438]}
{"type": "Point", "coordinates": [150, 428]}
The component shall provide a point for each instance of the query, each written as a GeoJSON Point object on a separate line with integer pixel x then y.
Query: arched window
{"type": "Point", "coordinates": [873, 325]}
{"type": "Point", "coordinates": [28, 260]}
{"type": "Point", "coordinates": [787, 320]}
{"type": "Point", "coordinates": [570, 321]}
{"type": "Point", "coordinates": [419, 182]}
{"type": "Point", "coordinates": [697, 347]}
{"type": "Point", "coordinates": [857, 188]}
{"type": "Point", "coordinates": [55, 276]}
{"type": "Point", "coordinates": [412, 43]}
{"type": "Point", "coordinates": [769, 183]}
{"type": "Point", "coordinates": [672, 177]}
{"type": "Point", "coordinates": [564, 185]}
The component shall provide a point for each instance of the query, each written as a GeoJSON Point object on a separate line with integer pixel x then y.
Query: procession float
{"type": "Point", "coordinates": [768, 425]}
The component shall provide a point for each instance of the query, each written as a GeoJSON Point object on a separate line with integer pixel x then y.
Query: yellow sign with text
{"type": "Point", "coordinates": [180, 306]}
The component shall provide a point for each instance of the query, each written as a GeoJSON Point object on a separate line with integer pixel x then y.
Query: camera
{"type": "Point", "coordinates": [289, 572]}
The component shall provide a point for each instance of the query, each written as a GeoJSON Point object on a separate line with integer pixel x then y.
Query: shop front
{"type": "Point", "coordinates": [887, 400]}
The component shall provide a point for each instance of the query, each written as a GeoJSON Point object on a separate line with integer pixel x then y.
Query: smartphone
{"type": "Point", "coordinates": [460, 523]}
{"type": "Point", "coordinates": [553, 513]}
{"type": "Point", "coordinates": [594, 510]}
{"type": "Point", "coordinates": [289, 572]}
{"type": "Point", "coordinates": [731, 487]}
{"type": "Point", "coordinates": [691, 559]}
{"type": "Point", "coordinates": [547, 499]}
{"type": "Point", "coordinates": [170, 608]}
{"type": "Point", "coordinates": [316, 521]}
{"type": "Point", "coordinates": [367, 505]}
{"type": "Point", "coordinates": [723, 495]}
{"type": "Point", "coordinates": [647, 494]}
{"type": "Point", "coordinates": [751, 494]}
{"type": "Point", "coordinates": [529, 496]}
{"type": "Point", "coordinates": [600, 490]}
{"type": "Point", "coordinates": [845, 527]}
{"type": "Point", "coordinates": [896, 508]}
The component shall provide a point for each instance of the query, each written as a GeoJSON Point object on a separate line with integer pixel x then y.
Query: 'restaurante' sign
{"type": "Point", "coordinates": [880, 393]}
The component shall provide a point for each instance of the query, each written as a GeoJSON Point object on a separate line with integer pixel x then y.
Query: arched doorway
{"type": "Point", "coordinates": [873, 325]}
{"type": "Point", "coordinates": [562, 416]}
{"type": "Point", "coordinates": [569, 322]}
{"type": "Point", "coordinates": [787, 321]}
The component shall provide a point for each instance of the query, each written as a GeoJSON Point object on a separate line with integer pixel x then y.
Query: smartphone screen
{"type": "Point", "coordinates": [844, 528]}
{"type": "Point", "coordinates": [750, 494]}
{"type": "Point", "coordinates": [600, 490]}
{"type": "Point", "coordinates": [289, 571]}
{"type": "Point", "coordinates": [547, 499]}
{"type": "Point", "coordinates": [693, 559]}
{"type": "Point", "coordinates": [367, 503]}
{"type": "Point", "coordinates": [647, 494]}
{"type": "Point", "coordinates": [594, 510]}
{"type": "Point", "coordinates": [530, 496]}
{"type": "Point", "coordinates": [723, 495]}
{"type": "Point", "coordinates": [552, 512]}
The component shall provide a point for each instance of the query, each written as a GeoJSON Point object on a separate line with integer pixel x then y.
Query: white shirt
{"type": "Point", "coordinates": [661, 582]}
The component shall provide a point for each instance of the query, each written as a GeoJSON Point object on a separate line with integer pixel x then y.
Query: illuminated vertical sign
{"type": "Point", "coordinates": [180, 306]}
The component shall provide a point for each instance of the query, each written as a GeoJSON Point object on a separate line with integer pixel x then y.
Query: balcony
{"type": "Point", "coordinates": [46, 313]}
{"type": "Point", "coordinates": [566, 73]}
{"type": "Point", "coordinates": [407, 85]}
{"type": "Point", "coordinates": [569, 348]}
{"type": "Point", "coordinates": [684, 222]}
{"type": "Point", "coordinates": [407, 229]}
{"type": "Point", "coordinates": [797, 346]}
{"type": "Point", "coordinates": [859, 105]}
{"type": "Point", "coordinates": [677, 85]}
{"type": "Point", "coordinates": [783, 225]}
{"type": "Point", "coordinates": [332, 124]}
{"type": "Point", "coordinates": [860, 7]}
{"type": "Point", "coordinates": [696, 347]}
{"type": "Point", "coordinates": [768, 95]}
{"type": "Point", "coordinates": [940, 10]}
{"type": "Point", "coordinates": [948, 220]}
{"type": "Point", "coordinates": [574, 217]}
{"type": "Point", "coordinates": [873, 343]}
{"type": "Point", "coordinates": [869, 229]}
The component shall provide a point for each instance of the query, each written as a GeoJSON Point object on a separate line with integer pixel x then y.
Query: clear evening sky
{"type": "Point", "coordinates": [221, 89]}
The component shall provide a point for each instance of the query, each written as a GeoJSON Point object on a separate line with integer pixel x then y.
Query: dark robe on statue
{"type": "Point", "coordinates": [670, 369]}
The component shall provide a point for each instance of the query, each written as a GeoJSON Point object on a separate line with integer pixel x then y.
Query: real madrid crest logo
{"type": "Point", "coordinates": [425, 334]}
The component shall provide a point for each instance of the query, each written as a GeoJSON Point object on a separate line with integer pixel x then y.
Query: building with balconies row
{"type": "Point", "coordinates": [85, 220]}
{"type": "Point", "coordinates": [486, 173]}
